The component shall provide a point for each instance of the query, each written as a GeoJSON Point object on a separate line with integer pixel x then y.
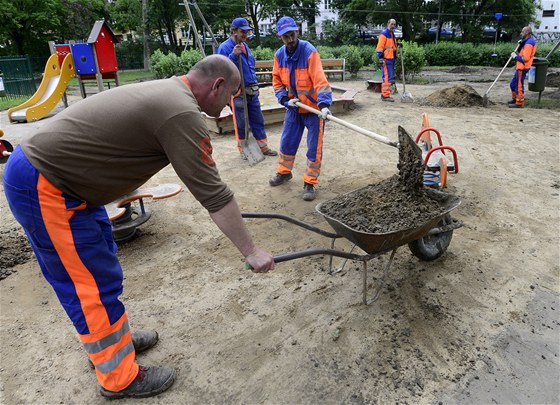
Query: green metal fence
{"type": "Point", "coordinates": [17, 76]}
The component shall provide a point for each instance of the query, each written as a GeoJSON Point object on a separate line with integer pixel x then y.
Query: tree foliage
{"type": "Point", "coordinates": [28, 24]}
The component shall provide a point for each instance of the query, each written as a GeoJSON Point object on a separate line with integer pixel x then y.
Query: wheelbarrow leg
{"type": "Point", "coordinates": [381, 281]}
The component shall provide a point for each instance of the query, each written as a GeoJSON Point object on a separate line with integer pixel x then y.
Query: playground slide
{"type": "Point", "coordinates": [52, 88]}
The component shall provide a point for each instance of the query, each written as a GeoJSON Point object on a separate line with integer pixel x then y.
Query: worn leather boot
{"type": "Point", "coordinates": [389, 99]}
{"type": "Point", "coordinates": [270, 152]}
{"type": "Point", "coordinates": [142, 340]}
{"type": "Point", "coordinates": [149, 382]}
{"type": "Point", "coordinates": [308, 192]}
{"type": "Point", "coordinates": [279, 179]}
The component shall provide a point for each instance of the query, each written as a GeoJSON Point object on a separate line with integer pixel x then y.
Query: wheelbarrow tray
{"type": "Point", "coordinates": [372, 243]}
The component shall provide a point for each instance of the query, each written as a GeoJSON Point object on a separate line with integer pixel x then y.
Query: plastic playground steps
{"type": "Point", "coordinates": [52, 88]}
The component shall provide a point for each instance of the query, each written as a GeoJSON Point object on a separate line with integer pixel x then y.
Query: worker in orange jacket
{"type": "Point", "coordinates": [297, 75]}
{"type": "Point", "coordinates": [524, 60]}
{"type": "Point", "coordinates": [387, 52]}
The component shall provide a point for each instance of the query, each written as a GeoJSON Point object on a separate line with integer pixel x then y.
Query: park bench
{"type": "Point", "coordinates": [330, 67]}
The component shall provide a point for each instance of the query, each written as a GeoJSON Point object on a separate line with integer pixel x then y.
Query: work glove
{"type": "Point", "coordinates": [399, 44]}
{"type": "Point", "coordinates": [324, 112]}
{"type": "Point", "coordinates": [513, 55]}
{"type": "Point", "coordinates": [291, 104]}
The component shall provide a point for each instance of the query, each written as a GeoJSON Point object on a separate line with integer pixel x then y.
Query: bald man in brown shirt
{"type": "Point", "coordinates": [57, 182]}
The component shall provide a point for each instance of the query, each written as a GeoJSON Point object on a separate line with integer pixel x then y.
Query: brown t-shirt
{"type": "Point", "coordinates": [110, 144]}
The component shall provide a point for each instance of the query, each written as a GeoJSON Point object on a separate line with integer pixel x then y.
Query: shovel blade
{"type": "Point", "coordinates": [252, 150]}
{"type": "Point", "coordinates": [406, 97]}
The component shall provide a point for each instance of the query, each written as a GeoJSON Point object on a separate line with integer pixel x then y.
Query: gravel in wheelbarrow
{"type": "Point", "coordinates": [385, 215]}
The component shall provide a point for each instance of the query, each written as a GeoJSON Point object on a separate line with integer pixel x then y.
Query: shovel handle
{"type": "Point", "coordinates": [370, 134]}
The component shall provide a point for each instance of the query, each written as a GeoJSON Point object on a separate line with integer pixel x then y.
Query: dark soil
{"type": "Point", "coordinates": [14, 250]}
{"type": "Point", "coordinates": [553, 79]}
{"type": "Point", "coordinates": [397, 203]}
{"type": "Point", "coordinates": [462, 69]}
{"type": "Point", "coordinates": [458, 96]}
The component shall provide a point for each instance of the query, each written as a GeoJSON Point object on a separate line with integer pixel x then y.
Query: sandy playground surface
{"type": "Point", "coordinates": [478, 325]}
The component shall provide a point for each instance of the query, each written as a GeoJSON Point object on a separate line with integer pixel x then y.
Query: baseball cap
{"type": "Point", "coordinates": [286, 24]}
{"type": "Point", "coordinates": [241, 23]}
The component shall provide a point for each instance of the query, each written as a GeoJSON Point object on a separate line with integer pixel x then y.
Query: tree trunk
{"type": "Point", "coordinates": [146, 33]}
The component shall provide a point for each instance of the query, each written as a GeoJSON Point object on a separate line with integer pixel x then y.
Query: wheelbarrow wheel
{"type": "Point", "coordinates": [430, 247]}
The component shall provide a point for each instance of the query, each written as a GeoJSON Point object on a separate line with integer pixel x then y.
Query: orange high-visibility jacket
{"type": "Point", "coordinates": [387, 45]}
{"type": "Point", "coordinates": [526, 54]}
{"type": "Point", "coordinates": [301, 75]}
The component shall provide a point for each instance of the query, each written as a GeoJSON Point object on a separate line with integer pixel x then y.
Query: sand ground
{"type": "Point", "coordinates": [478, 325]}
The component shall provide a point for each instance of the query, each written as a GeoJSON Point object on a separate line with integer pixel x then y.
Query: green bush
{"type": "Point", "coordinates": [163, 66]}
{"type": "Point", "coordinates": [260, 53]}
{"type": "Point", "coordinates": [369, 54]}
{"type": "Point", "coordinates": [414, 59]}
{"type": "Point", "coordinates": [325, 52]}
{"type": "Point", "coordinates": [451, 54]}
{"type": "Point", "coordinates": [188, 59]}
{"type": "Point", "coordinates": [354, 60]}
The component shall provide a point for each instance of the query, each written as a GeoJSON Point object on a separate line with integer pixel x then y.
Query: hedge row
{"type": "Point", "coordinates": [415, 57]}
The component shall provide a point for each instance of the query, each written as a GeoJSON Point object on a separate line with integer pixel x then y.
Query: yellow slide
{"type": "Point", "coordinates": [52, 88]}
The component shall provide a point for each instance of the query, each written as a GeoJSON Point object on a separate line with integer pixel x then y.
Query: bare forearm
{"type": "Point", "coordinates": [229, 220]}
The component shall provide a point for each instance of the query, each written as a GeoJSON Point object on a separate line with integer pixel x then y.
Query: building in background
{"type": "Point", "coordinates": [547, 27]}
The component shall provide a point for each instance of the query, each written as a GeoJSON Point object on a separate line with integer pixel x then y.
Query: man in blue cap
{"type": "Point", "coordinates": [234, 48]}
{"type": "Point", "coordinates": [298, 76]}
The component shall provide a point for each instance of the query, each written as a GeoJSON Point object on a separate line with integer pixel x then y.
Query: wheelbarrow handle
{"type": "Point", "coordinates": [317, 251]}
{"type": "Point", "coordinates": [370, 134]}
{"type": "Point", "coordinates": [284, 257]}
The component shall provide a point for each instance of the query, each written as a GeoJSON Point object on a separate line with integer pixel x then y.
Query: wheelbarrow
{"type": "Point", "coordinates": [427, 241]}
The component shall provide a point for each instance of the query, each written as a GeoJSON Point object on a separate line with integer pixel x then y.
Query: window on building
{"type": "Point", "coordinates": [548, 13]}
{"type": "Point", "coordinates": [327, 4]}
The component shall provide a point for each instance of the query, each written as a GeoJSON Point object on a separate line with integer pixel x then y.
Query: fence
{"type": "Point", "coordinates": [17, 76]}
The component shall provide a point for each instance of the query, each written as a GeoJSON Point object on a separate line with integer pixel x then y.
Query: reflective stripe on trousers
{"type": "Point", "coordinates": [517, 86]}
{"type": "Point", "coordinates": [74, 246]}
{"type": "Point", "coordinates": [294, 125]}
{"type": "Point", "coordinates": [387, 74]}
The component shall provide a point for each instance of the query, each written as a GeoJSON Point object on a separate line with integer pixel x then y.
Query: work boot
{"type": "Point", "coordinates": [515, 106]}
{"type": "Point", "coordinates": [142, 340]}
{"type": "Point", "coordinates": [270, 152]}
{"type": "Point", "coordinates": [279, 179]}
{"type": "Point", "coordinates": [512, 101]}
{"type": "Point", "coordinates": [150, 381]}
{"type": "Point", "coordinates": [388, 99]}
{"type": "Point", "coordinates": [308, 192]}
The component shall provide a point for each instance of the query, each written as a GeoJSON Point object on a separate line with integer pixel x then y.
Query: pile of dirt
{"type": "Point", "coordinates": [462, 69]}
{"type": "Point", "coordinates": [397, 203]}
{"type": "Point", "coordinates": [383, 208]}
{"type": "Point", "coordinates": [553, 79]}
{"type": "Point", "coordinates": [15, 250]}
{"type": "Point", "coordinates": [462, 95]}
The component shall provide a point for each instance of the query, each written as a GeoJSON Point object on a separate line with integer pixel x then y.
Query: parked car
{"type": "Point", "coordinates": [368, 34]}
{"type": "Point", "coordinates": [443, 33]}
{"type": "Point", "coordinates": [490, 32]}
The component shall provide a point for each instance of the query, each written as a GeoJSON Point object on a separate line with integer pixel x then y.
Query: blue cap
{"type": "Point", "coordinates": [286, 24]}
{"type": "Point", "coordinates": [241, 23]}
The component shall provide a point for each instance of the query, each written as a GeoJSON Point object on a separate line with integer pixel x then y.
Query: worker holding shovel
{"type": "Point", "coordinates": [234, 48]}
{"type": "Point", "coordinates": [386, 52]}
{"type": "Point", "coordinates": [298, 77]}
{"type": "Point", "coordinates": [524, 60]}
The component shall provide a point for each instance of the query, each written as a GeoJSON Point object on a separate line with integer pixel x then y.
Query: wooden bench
{"type": "Point", "coordinates": [330, 66]}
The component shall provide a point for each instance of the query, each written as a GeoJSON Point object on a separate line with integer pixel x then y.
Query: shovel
{"type": "Point", "coordinates": [370, 134]}
{"type": "Point", "coordinates": [249, 145]}
{"type": "Point", "coordinates": [406, 97]}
